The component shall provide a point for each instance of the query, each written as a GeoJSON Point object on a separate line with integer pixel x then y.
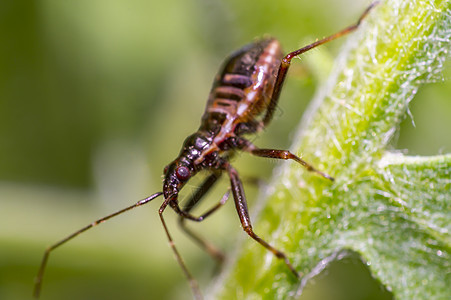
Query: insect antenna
{"type": "Point", "coordinates": [39, 277]}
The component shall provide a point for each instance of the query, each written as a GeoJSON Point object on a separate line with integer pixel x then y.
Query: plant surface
{"type": "Point", "coordinates": [392, 209]}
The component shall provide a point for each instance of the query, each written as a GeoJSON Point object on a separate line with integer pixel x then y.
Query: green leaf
{"type": "Point", "coordinates": [392, 209]}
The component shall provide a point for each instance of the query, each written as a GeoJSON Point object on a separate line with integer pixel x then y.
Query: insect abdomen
{"type": "Point", "coordinates": [243, 87]}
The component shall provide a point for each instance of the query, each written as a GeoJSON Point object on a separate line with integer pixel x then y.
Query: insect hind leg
{"type": "Point", "coordinates": [286, 61]}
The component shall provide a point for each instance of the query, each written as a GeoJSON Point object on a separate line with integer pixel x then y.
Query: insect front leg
{"type": "Point", "coordinates": [192, 202]}
{"type": "Point", "coordinates": [243, 213]}
{"type": "Point", "coordinates": [208, 183]}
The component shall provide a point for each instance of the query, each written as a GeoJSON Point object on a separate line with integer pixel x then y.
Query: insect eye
{"type": "Point", "coordinates": [182, 173]}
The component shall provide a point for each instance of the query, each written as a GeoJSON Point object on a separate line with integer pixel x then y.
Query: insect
{"type": "Point", "coordinates": [242, 101]}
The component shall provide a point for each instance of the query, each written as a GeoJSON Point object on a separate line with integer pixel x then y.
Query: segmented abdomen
{"type": "Point", "coordinates": [243, 88]}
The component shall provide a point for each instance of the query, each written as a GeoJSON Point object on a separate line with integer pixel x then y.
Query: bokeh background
{"type": "Point", "coordinates": [96, 97]}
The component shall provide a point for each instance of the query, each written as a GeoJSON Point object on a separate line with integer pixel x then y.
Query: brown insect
{"type": "Point", "coordinates": [242, 101]}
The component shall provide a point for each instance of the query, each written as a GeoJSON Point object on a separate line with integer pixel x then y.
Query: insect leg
{"type": "Point", "coordinates": [285, 154]}
{"type": "Point", "coordinates": [39, 278]}
{"type": "Point", "coordinates": [204, 188]}
{"type": "Point", "coordinates": [279, 154]}
{"type": "Point", "coordinates": [243, 213]}
{"type": "Point", "coordinates": [192, 281]}
{"type": "Point", "coordinates": [174, 204]}
{"type": "Point", "coordinates": [286, 61]}
{"type": "Point", "coordinates": [191, 217]}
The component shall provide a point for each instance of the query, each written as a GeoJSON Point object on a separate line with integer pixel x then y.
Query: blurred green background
{"type": "Point", "coordinates": [96, 97]}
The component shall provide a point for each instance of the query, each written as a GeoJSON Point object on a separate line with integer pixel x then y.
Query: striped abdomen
{"type": "Point", "coordinates": [242, 90]}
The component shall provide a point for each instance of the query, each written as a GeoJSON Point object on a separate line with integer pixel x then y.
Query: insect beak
{"type": "Point", "coordinates": [171, 187]}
